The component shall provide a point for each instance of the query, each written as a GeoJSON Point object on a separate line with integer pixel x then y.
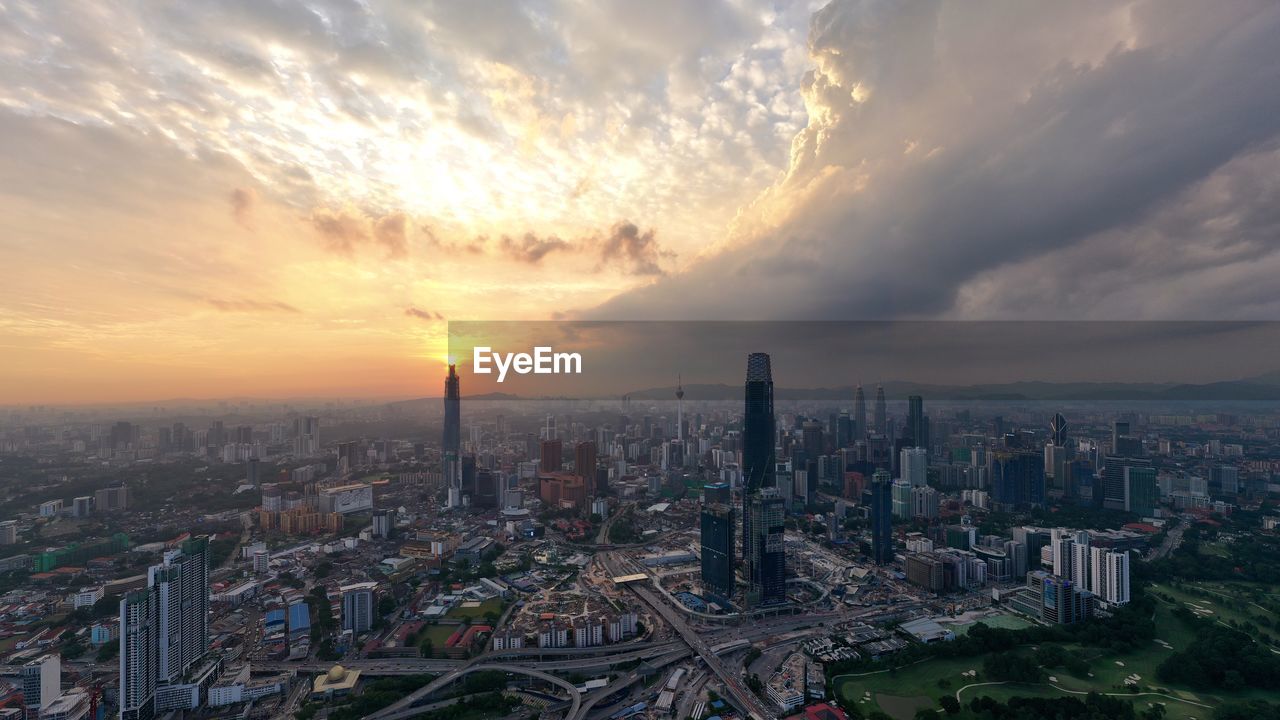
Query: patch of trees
{"type": "Point", "coordinates": [1250, 557]}
{"type": "Point", "coordinates": [1252, 710]}
{"type": "Point", "coordinates": [1128, 628]}
{"type": "Point", "coordinates": [1093, 707]}
{"type": "Point", "coordinates": [1220, 658]}
{"type": "Point", "coordinates": [1011, 667]}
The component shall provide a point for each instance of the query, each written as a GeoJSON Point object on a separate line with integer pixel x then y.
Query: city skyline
{"type": "Point", "coordinates": [322, 185]}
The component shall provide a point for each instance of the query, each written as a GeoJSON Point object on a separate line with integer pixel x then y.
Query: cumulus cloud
{"type": "Point", "coordinates": [350, 232]}
{"type": "Point", "coordinates": [530, 248]}
{"type": "Point", "coordinates": [949, 145]}
{"type": "Point", "coordinates": [638, 252]}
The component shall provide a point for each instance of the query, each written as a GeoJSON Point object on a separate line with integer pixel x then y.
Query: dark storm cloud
{"type": "Point", "coordinates": [621, 357]}
{"type": "Point", "coordinates": [928, 168]}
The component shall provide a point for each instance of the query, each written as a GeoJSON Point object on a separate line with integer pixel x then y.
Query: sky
{"type": "Point", "coordinates": [283, 198]}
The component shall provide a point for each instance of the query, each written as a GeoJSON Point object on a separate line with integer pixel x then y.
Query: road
{"type": "Point", "coordinates": [738, 693]}
{"type": "Point", "coordinates": [404, 707]}
{"type": "Point", "coordinates": [1172, 540]}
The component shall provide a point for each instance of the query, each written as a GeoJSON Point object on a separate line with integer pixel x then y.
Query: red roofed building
{"type": "Point", "coordinates": [821, 711]}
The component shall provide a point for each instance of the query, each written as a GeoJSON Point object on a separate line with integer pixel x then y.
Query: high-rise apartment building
{"type": "Point", "coordinates": [164, 628]}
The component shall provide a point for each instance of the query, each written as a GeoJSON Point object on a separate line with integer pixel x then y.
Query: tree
{"type": "Point", "coordinates": [950, 704]}
{"type": "Point", "coordinates": [386, 605]}
{"type": "Point", "coordinates": [108, 651]}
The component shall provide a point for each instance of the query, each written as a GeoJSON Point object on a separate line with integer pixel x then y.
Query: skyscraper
{"type": "Point", "coordinates": [1017, 478]}
{"type": "Point", "coordinates": [584, 464]}
{"type": "Point", "coordinates": [766, 579]}
{"type": "Point", "coordinates": [680, 410]}
{"type": "Point", "coordinates": [452, 441]}
{"type": "Point", "coordinates": [1124, 444]}
{"type": "Point", "coordinates": [717, 540]}
{"type": "Point", "coordinates": [1140, 491]}
{"type": "Point", "coordinates": [914, 462]}
{"type": "Point", "coordinates": [763, 510]}
{"type": "Point", "coordinates": [1058, 430]}
{"type": "Point", "coordinates": [917, 422]}
{"type": "Point", "coordinates": [814, 441]}
{"type": "Point", "coordinates": [182, 587]}
{"type": "Point", "coordinates": [881, 418]}
{"type": "Point", "coordinates": [758, 425]}
{"type": "Point", "coordinates": [1113, 480]}
{"type": "Point", "coordinates": [1110, 575]}
{"type": "Point", "coordinates": [138, 655]}
{"type": "Point", "coordinates": [164, 628]}
{"type": "Point", "coordinates": [881, 517]}
{"type": "Point", "coordinates": [859, 413]}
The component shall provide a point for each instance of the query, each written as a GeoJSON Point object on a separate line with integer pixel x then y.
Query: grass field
{"type": "Point", "coordinates": [1009, 622]}
{"type": "Point", "coordinates": [438, 634]}
{"type": "Point", "coordinates": [900, 693]}
{"type": "Point", "coordinates": [1223, 604]}
{"type": "Point", "coordinates": [476, 613]}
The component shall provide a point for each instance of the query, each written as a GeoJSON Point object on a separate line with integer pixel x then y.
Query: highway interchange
{"type": "Point", "coordinates": [691, 638]}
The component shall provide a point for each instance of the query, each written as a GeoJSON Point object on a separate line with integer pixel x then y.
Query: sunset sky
{"type": "Point", "coordinates": [283, 198]}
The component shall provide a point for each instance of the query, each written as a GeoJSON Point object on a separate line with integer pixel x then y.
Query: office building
{"type": "Point", "coordinates": [766, 579]}
{"type": "Point", "coordinates": [859, 430]}
{"type": "Point", "coordinates": [358, 607]}
{"type": "Point", "coordinates": [41, 683]}
{"type": "Point", "coordinates": [1113, 480]}
{"type": "Point", "coordinates": [451, 442]}
{"type": "Point", "coordinates": [1141, 494]}
{"type": "Point", "coordinates": [1224, 479]}
{"type": "Point", "coordinates": [1124, 444]}
{"type": "Point", "coordinates": [762, 548]}
{"type": "Point", "coordinates": [717, 544]}
{"type": "Point", "coordinates": [550, 456]}
{"type": "Point", "coordinates": [914, 462]}
{"type": "Point", "coordinates": [917, 422]}
{"type": "Point", "coordinates": [1017, 479]}
{"type": "Point", "coordinates": [901, 500]}
{"type": "Point", "coordinates": [1058, 430]}
{"type": "Point", "coordinates": [584, 465]}
{"type": "Point", "coordinates": [881, 417]}
{"type": "Point", "coordinates": [881, 518]}
{"type": "Point", "coordinates": [1063, 602]}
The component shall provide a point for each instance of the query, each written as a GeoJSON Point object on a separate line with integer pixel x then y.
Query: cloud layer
{"type": "Point", "coordinates": [977, 160]}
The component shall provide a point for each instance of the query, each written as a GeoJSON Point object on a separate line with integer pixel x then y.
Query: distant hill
{"type": "Point", "coordinates": [1235, 390]}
